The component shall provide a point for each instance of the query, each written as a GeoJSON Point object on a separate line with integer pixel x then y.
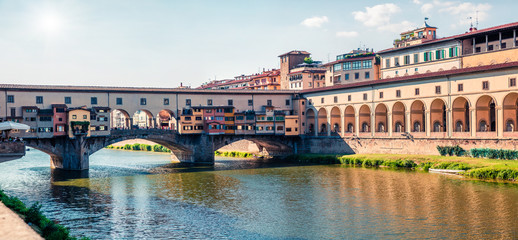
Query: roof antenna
{"type": "Point", "coordinates": [471, 24]}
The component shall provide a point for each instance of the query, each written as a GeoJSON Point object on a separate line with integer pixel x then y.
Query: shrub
{"type": "Point", "coordinates": [135, 146]}
{"type": "Point", "coordinates": [127, 147]}
{"type": "Point", "coordinates": [157, 148]}
{"type": "Point", "coordinates": [494, 153]}
{"type": "Point", "coordinates": [451, 150]}
{"type": "Point", "coordinates": [33, 215]}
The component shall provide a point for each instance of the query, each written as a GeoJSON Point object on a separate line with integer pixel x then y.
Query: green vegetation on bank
{"type": "Point", "coordinates": [141, 147]}
{"type": "Point", "coordinates": [475, 167]}
{"type": "Point", "coordinates": [478, 152]}
{"type": "Point", "coordinates": [234, 154]}
{"type": "Point", "coordinates": [47, 228]}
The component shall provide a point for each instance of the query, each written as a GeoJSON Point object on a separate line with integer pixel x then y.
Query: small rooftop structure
{"type": "Point", "coordinates": [416, 36]}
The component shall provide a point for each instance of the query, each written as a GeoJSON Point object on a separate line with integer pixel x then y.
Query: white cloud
{"type": "Point", "coordinates": [462, 11]}
{"type": "Point", "coordinates": [426, 8]}
{"type": "Point", "coordinates": [347, 34]}
{"type": "Point", "coordinates": [399, 27]}
{"type": "Point", "coordinates": [416, 1]}
{"type": "Point", "coordinates": [377, 15]}
{"type": "Point", "coordinates": [315, 21]}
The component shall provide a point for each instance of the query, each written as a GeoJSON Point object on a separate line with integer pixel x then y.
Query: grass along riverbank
{"type": "Point", "coordinates": [479, 168]}
{"type": "Point", "coordinates": [234, 154]}
{"type": "Point", "coordinates": [141, 147]}
{"type": "Point", "coordinates": [47, 228]}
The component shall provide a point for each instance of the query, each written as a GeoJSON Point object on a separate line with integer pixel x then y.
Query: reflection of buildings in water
{"type": "Point", "coordinates": [421, 203]}
{"type": "Point", "coordinates": [72, 188]}
{"type": "Point", "coordinates": [208, 189]}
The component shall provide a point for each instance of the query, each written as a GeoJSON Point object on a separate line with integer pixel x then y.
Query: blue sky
{"type": "Point", "coordinates": [163, 43]}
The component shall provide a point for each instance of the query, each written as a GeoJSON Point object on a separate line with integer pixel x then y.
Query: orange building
{"type": "Point", "coordinates": [267, 80]}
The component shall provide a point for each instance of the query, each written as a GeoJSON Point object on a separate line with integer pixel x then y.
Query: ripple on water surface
{"type": "Point", "coordinates": [140, 195]}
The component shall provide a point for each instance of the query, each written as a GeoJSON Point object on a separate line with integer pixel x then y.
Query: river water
{"type": "Point", "coordinates": [140, 195]}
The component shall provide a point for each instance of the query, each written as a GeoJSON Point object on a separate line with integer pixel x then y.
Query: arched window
{"type": "Point", "coordinates": [381, 127]}
{"type": "Point", "coordinates": [323, 128]}
{"type": "Point", "coordinates": [437, 126]}
{"type": "Point", "coordinates": [509, 126]}
{"type": "Point", "coordinates": [417, 127]}
{"type": "Point", "coordinates": [365, 127]}
{"type": "Point", "coordinates": [350, 127]}
{"type": "Point", "coordinates": [336, 128]}
{"type": "Point", "coordinates": [399, 127]}
{"type": "Point", "coordinates": [311, 127]}
{"type": "Point", "coordinates": [459, 127]}
{"type": "Point", "coordinates": [482, 126]}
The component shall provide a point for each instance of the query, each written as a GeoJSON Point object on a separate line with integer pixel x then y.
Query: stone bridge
{"type": "Point", "coordinates": [73, 154]}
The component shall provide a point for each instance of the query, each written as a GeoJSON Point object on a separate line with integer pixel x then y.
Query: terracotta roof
{"type": "Point", "coordinates": [459, 36]}
{"type": "Point", "coordinates": [415, 77]}
{"type": "Point", "coordinates": [295, 52]}
{"type": "Point", "coordinates": [61, 88]}
{"type": "Point", "coordinates": [309, 71]}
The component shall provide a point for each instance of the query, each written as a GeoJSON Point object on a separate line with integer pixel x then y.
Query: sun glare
{"type": "Point", "coordinates": [50, 23]}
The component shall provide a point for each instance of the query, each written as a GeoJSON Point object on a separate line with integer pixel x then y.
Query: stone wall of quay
{"type": "Point", "coordinates": [398, 145]}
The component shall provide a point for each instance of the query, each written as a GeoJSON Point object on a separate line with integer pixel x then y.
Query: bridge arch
{"type": "Point", "coordinates": [398, 117]}
{"type": "Point", "coordinates": [166, 119]}
{"type": "Point", "coordinates": [267, 145]}
{"type": "Point", "coordinates": [120, 119]}
{"type": "Point", "coordinates": [143, 119]}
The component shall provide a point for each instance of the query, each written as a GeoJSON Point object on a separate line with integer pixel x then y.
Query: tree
{"type": "Point", "coordinates": [308, 60]}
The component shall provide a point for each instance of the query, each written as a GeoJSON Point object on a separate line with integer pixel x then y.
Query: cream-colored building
{"type": "Point", "coordinates": [478, 102]}
{"type": "Point", "coordinates": [420, 52]}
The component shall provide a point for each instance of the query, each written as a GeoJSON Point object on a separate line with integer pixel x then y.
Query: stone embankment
{"type": "Point", "coordinates": [13, 227]}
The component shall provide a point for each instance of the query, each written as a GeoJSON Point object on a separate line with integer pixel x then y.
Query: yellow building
{"type": "Point", "coordinates": [79, 122]}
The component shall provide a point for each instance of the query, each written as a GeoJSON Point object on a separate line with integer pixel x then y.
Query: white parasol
{"type": "Point", "coordinates": [13, 125]}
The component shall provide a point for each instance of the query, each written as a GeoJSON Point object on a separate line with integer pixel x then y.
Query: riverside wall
{"type": "Point", "coordinates": [398, 145]}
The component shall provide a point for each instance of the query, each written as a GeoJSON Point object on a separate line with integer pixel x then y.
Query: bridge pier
{"type": "Point", "coordinates": [197, 149]}
{"type": "Point", "coordinates": [73, 157]}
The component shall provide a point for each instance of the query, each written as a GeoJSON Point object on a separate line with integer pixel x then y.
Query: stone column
{"type": "Point", "coordinates": [389, 124]}
{"type": "Point", "coordinates": [329, 124]}
{"type": "Point", "coordinates": [373, 124]}
{"type": "Point", "coordinates": [315, 128]}
{"type": "Point", "coordinates": [449, 122]}
{"type": "Point", "coordinates": [357, 123]}
{"type": "Point", "coordinates": [499, 121]}
{"type": "Point", "coordinates": [427, 124]}
{"type": "Point", "coordinates": [342, 123]}
{"type": "Point", "coordinates": [473, 122]}
{"type": "Point", "coordinates": [408, 124]}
